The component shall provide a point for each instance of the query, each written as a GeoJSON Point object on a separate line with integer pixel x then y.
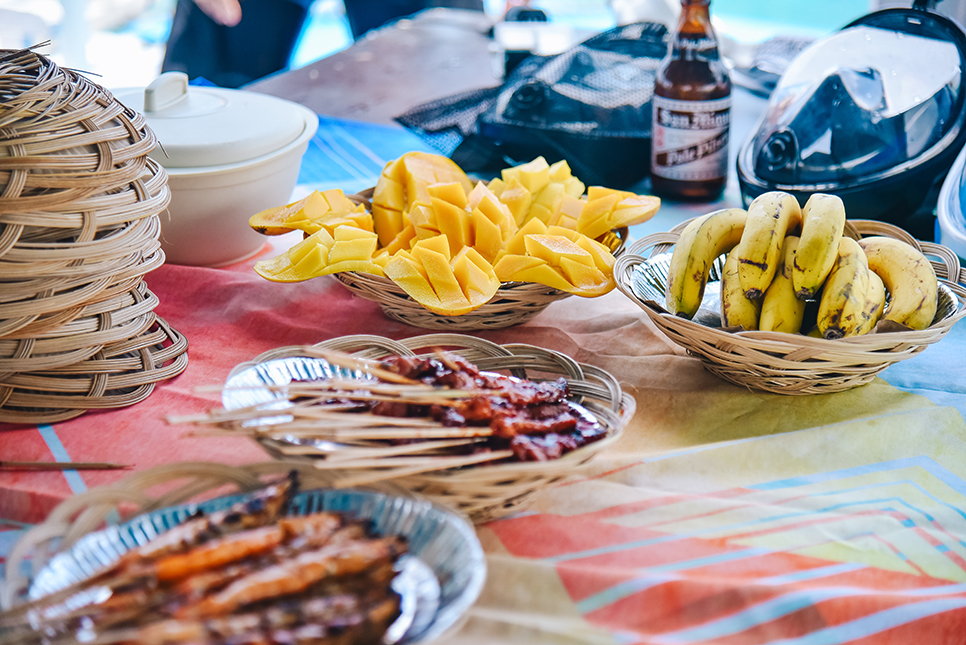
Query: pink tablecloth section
{"type": "Point", "coordinates": [723, 515]}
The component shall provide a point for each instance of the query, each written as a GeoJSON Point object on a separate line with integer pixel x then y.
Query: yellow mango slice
{"type": "Point", "coordinates": [560, 171]}
{"type": "Point", "coordinates": [544, 274]}
{"type": "Point", "coordinates": [352, 244]}
{"type": "Point", "coordinates": [510, 265]}
{"type": "Point", "coordinates": [317, 209]}
{"type": "Point", "coordinates": [453, 222]}
{"type": "Point", "coordinates": [533, 175]}
{"type": "Point", "coordinates": [487, 237]}
{"type": "Point", "coordinates": [423, 219]}
{"type": "Point", "coordinates": [402, 241]}
{"type": "Point", "coordinates": [517, 199]}
{"type": "Point", "coordinates": [410, 276]}
{"type": "Point", "coordinates": [475, 276]}
{"type": "Point", "coordinates": [496, 185]}
{"type": "Point", "coordinates": [405, 182]}
{"type": "Point", "coordinates": [569, 262]}
{"type": "Point", "coordinates": [452, 193]}
{"type": "Point", "coordinates": [439, 244]}
{"type": "Point", "coordinates": [554, 248]}
{"type": "Point", "coordinates": [569, 212]}
{"type": "Point", "coordinates": [517, 244]}
{"type": "Point", "coordinates": [446, 286]}
{"type": "Point", "coordinates": [608, 209]}
{"type": "Point", "coordinates": [603, 258]}
{"type": "Point", "coordinates": [322, 254]}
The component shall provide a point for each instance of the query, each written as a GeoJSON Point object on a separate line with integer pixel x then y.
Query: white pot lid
{"type": "Point", "coordinates": [201, 126]}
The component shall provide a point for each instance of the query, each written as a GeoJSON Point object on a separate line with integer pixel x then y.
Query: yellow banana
{"type": "Point", "coordinates": [736, 309]}
{"type": "Point", "coordinates": [781, 309]}
{"type": "Point", "coordinates": [909, 277]}
{"type": "Point", "coordinates": [875, 300]}
{"type": "Point", "coordinates": [701, 241]}
{"type": "Point", "coordinates": [823, 220]}
{"type": "Point", "coordinates": [844, 293]}
{"type": "Point", "coordinates": [770, 216]}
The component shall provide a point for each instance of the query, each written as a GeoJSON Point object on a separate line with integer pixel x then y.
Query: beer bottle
{"type": "Point", "coordinates": [692, 112]}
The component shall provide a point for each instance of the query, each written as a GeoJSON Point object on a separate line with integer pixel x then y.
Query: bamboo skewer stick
{"type": "Point", "coordinates": [341, 359]}
{"type": "Point", "coordinates": [61, 465]}
{"type": "Point", "coordinates": [435, 464]}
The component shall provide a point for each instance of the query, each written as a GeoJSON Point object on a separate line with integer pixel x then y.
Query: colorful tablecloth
{"type": "Point", "coordinates": [722, 516]}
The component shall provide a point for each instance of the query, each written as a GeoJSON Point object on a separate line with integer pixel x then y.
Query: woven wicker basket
{"type": "Point", "coordinates": [481, 492]}
{"type": "Point", "coordinates": [514, 302]}
{"type": "Point", "coordinates": [789, 363]}
{"type": "Point", "coordinates": [79, 228]}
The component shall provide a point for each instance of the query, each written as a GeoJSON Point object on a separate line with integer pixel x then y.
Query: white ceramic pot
{"type": "Point", "coordinates": [229, 154]}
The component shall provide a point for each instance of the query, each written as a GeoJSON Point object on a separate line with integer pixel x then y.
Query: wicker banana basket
{"type": "Point", "coordinates": [79, 228]}
{"type": "Point", "coordinates": [482, 492]}
{"type": "Point", "coordinates": [790, 363]}
{"type": "Point", "coordinates": [513, 304]}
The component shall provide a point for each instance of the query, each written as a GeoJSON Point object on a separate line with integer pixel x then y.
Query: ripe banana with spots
{"type": "Point", "coordinates": [909, 277]}
{"type": "Point", "coordinates": [844, 294]}
{"type": "Point", "coordinates": [781, 308]}
{"type": "Point", "coordinates": [875, 300]}
{"type": "Point", "coordinates": [823, 220]}
{"type": "Point", "coordinates": [771, 216]}
{"type": "Point", "coordinates": [700, 243]}
{"type": "Point", "coordinates": [736, 309]}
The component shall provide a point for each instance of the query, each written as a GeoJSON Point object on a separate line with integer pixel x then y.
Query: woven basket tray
{"type": "Point", "coordinates": [514, 302]}
{"type": "Point", "coordinates": [481, 492]}
{"type": "Point", "coordinates": [79, 228]}
{"type": "Point", "coordinates": [791, 363]}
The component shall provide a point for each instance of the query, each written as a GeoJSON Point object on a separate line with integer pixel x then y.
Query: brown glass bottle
{"type": "Point", "coordinates": [692, 112]}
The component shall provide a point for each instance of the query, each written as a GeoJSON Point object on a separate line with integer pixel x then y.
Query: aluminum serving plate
{"type": "Point", "coordinates": [438, 580]}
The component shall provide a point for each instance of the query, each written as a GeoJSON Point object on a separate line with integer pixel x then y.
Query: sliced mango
{"type": "Point", "coordinates": [351, 249]}
{"type": "Point", "coordinates": [444, 285]}
{"type": "Point", "coordinates": [405, 182]}
{"type": "Point", "coordinates": [608, 209]}
{"type": "Point", "coordinates": [453, 193]}
{"type": "Point", "coordinates": [533, 175]}
{"type": "Point", "coordinates": [516, 197]}
{"type": "Point", "coordinates": [567, 261]}
{"type": "Point", "coordinates": [316, 210]}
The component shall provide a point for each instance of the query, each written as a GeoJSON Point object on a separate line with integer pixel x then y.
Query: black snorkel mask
{"type": "Point", "coordinates": [873, 113]}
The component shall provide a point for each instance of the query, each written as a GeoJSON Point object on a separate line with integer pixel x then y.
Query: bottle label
{"type": "Point", "coordinates": [689, 139]}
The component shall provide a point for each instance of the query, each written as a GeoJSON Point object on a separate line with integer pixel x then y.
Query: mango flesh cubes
{"type": "Point", "coordinates": [444, 284]}
{"type": "Point", "coordinates": [450, 242]}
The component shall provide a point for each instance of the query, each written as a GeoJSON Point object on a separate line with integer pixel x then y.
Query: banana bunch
{"type": "Point", "coordinates": [781, 258]}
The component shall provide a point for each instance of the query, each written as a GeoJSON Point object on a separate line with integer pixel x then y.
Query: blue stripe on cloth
{"type": "Point", "coordinates": [875, 623]}
{"type": "Point", "coordinates": [636, 585]}
{"type": "Point", "coordinates": [933, 468]}
{"type": "Point", "coordinates": [811, 574]}
{"type": "Point", "coordinates": [784, 605]}
{"type": "Point", "coordinates": [74, 480]}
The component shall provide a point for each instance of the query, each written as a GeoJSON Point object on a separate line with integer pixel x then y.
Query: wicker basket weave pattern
{"type": "Point", "coordinates": [79, 228]}
{"type": "Point", "coordinates": [486, 492]}
{"type": "Point", "coordinates": [791, 363]}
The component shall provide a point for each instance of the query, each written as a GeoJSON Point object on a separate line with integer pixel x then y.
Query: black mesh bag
{"type": "Point", "coordinates": [590, 106]}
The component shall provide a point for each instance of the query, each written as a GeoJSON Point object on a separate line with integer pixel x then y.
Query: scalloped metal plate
{"type": "Point", "coordinates": [438, 580]}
